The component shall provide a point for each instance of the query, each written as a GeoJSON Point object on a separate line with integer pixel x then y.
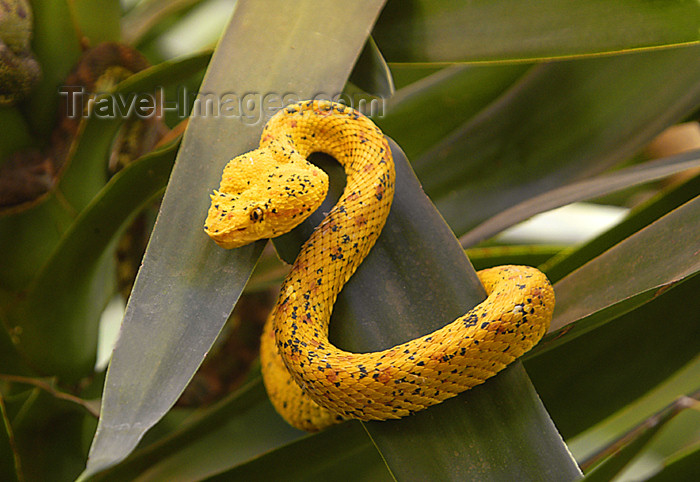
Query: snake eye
{"type": "Point", "coordinates": [256, 214]}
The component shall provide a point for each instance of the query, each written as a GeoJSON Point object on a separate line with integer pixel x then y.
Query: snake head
{"type": "Point", "coordinates": [261, 197]}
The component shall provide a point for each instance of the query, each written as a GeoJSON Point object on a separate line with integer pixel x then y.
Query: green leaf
{"type": "Point", "coordinates": [454, 31]}
{"type": "Point", "coordinates": [628, 274]}
{"type": "Point", "coordinates": [10, 465]}
{"type": "Point", "coordinates": [407, 74]}
{"type": "Point", "coordinates": [57, 48]}
{"type": "Point", "coordinates": [67, 289]}
{"type": "Point", "coordinates": [29, 238]}
{"type": "Point", "coordinates": [421, 115]}
{"type": "Point", "coordinates": [530, 255]}
{"type": "Point", "coordinates": [48, 435]}
{"type": "Point", "coordinates": [682, 467]}
{"type": "Point", "coordinates": [71, 256]}
{"type": "Point", "coordinates": [567, 261]}
{"type": "Point", "coordinates": [619, 362]}
{"type": "Point", "coordinates": [98, 21]}
{"type": "Point", "coordinates": [187, 286]}
{"type": "Point", "coordinates": [418, 278]}
{"type": "Point", "coordinates": [344, 449]}
{"type": "Point", "coordinates": [228, 434]}
{"type": "Point", "coordinates": [629, 449]}
{"type": "Point", "coordinates": [371, 73]}
{"type": "Point", "coordinates": [673, 430]}
{"type": "Point", "coordinates": [581, 191]}
{"type": "Point", "coordinates": [561, 122]}
{"type": "Point", "coordinates": [139, 22]}
{"type": "Point", "coordinates": [590, 444]}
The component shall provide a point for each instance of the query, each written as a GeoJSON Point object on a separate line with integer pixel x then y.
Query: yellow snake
{"type": "Point", "coordinates": [312, 383]}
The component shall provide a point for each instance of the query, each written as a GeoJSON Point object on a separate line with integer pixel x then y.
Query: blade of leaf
{"type": "Point", "coordinates": [10, 468]}
{"type": "Point", "coordinates": [644, 264]}
{"type": "Point", "coordinates": [51, 317]}
{"type": "Point", "coordinates": [144, 16]}
{"type": "Point", "coordinates": [580, 191]}
{"type": "Point", "coordinates": [97, 21]}
{"type": "Point", "coordinates": [607, 362]}
{"type": "Point", "coordinates": [418, 278]}
{"type": "Point", "coordinates": [563, 121]}
{"type": "Point", "coordinates": [428, 31]}
{"type": "Point", "coordinates": [65, 290]}
{"type": "Point", "coordinates": [420, 115]}
{"type": "Point", "coordinates": [530, 255]}
{"type": "Point", "coordinates": [344, 449]}
{"type": "Point", "coordinates": [187, 286]}
{"type": "Point", "coordinates": [635, 441]}
{"type": "Point", "coordinates": [614, 464]}
{"type": "Point", "coordinates": [586, 445]}
{"type": "Point", "coordinates": [406, 74]}
{"type": "Point", "coordinates": [232, 432]}
{"type": "Point", "coordinates": [29, 238]}
{"type": "Point", "coordinates": [683, 467]}
{"type": "Point", "coordinates": [57, 48]}
{"type": "Point", "coordinates": [371, 73]}
{"type": "Point", "coordinates": [567, 261]}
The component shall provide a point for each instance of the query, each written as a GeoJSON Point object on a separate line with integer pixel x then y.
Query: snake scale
{"type": "Point", "coordinates": [312, 383]}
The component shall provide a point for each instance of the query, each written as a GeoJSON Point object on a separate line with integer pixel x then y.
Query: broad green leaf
{"type": "Point", "coordinates": [422, 114]}
{"type": "Point", "coordinates": [567, 261]}
{"type": "Point", "coordinates": [584, 380]}
{"type": "Point", "coordinates": [58, 334]}
{"type": "Point", "coordinates": [57, 48]}
{"type": "Point", "coordinates": [166, 72]}
{"type": "Point", "coordinates": [187, 285]}
{"type": "Point", "coordinates": [533, 255]}
{"type": "Point", "coordinates": [29, 238]}
{"type": "Point", "coordinates": [669, 432]}
{"type": "Point", "coordinates": [677, 439]}
{"type": "Point", "coordinates": [629, 274]}
{"type": "Point", "coordinates": [67, 289]}
{"type": "Point", "coordinates": [588, 446]}
{"type": "Point", "coordinates": [49, 438]}
{"type": "Point", "coordinates": [15, 132]}
{"type": "Point", "coordinates": [629, 448]}
{"type": "Point", "coordinates": [581, 191]}
{"type": "Point", "coordinates": [415, 280]}
{"type": "Point", "coordinates": [561, 122]}
{"type": "Point", "coordinates": [232, 432]}
{"type": "Point", "coordinates": [343, 450]}
{"type": "Point", "coordinates": [454, 31]}
{"type": "Point", "coordinates": [10, 465]}
{"type": "Point", "coordinates": [684, 466]}
{"type": "Point", "coordinates": [97, 21]}
{"type": "Point", "coordinates": [406, 74]}
{"type": "Point", "coordinates": [145, 16]}
{"type": "Point", "coordinates": [371, 73]}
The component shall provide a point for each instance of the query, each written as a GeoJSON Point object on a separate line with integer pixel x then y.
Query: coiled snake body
{"type": "Point", "coordinates": [312, 383]}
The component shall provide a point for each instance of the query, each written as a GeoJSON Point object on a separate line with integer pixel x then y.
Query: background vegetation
{"type": "Point", "coordinates": [504, 109]}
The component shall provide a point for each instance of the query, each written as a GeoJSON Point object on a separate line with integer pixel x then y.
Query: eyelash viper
{"type": "Point", "coordinates": [312, 383]}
